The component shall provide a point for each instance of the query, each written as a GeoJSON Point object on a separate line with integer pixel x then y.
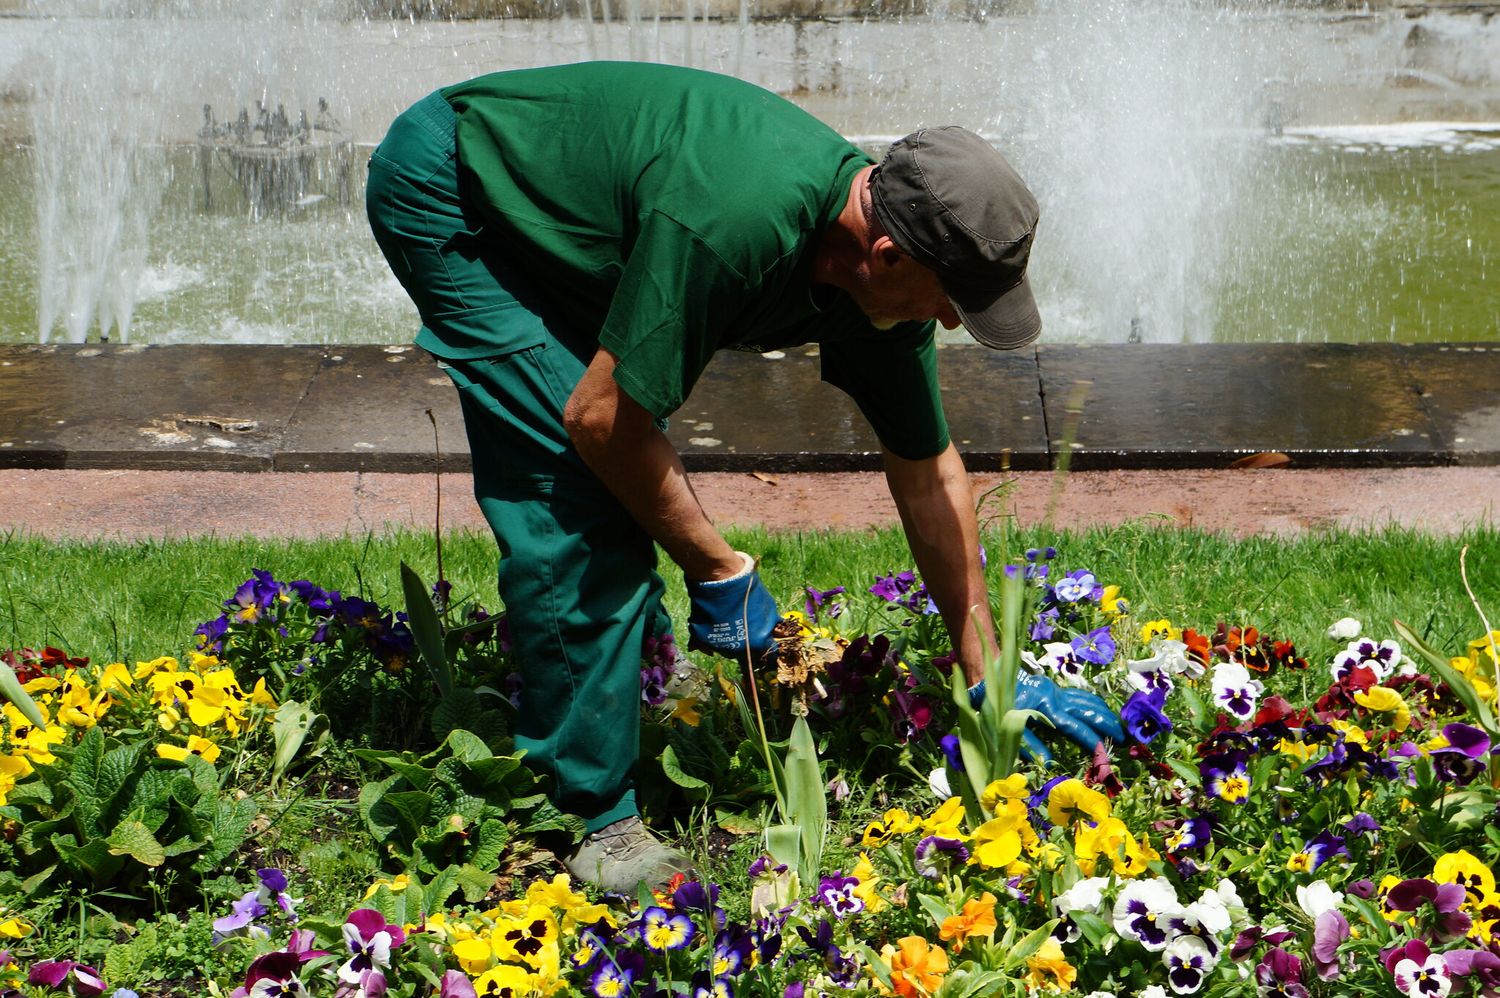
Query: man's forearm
{"type": "Point", "coordinates": [936, 505]}
{"type": "Point", "coordinates": [620, 443]}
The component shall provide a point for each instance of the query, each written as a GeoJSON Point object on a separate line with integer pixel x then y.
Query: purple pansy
{"type": "Point", "coordinates": [1097, 646]}
{"type": "Point", "coordinates": [1463, 758]}
{"type": "Point", "coordinates": [1279, 975]}
{"type": "Point", "coordinates": [837, 892]}
{"type": "Point", "coordinates": [935, 856]}
{"type": "Point", "coordinates": [1329, 931]}
{"type": "Point", "coordinates": [370, 940]}
{"type": "Point", "coordinates": [817, 597]}
{"type": "Point", "coordinates": [84, 980]}
{"type": "Point", "coordinates": [1142, 715]}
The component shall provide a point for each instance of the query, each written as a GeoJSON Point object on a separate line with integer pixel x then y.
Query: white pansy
{"type": "Point", "coordinates": [1317, 897]}
{"type": "Point", "coordinates": [937, 782]}
{"type": "Point", "coordinates": [1153, 991]}
{"type": "Point", "coordinates": [1345, 629]}
{"type": "Point", "coordinates": [1086, 895]}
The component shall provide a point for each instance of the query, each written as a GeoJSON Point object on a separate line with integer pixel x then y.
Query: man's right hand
{"type": "Point", "coordinates": [730, 615]}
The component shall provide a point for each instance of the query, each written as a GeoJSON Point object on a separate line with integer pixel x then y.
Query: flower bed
{"type": "Point", "coordinates": [1288, 819]}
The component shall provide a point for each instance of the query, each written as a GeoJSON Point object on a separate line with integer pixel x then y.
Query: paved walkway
{"type": "Point", "coordinates": [133, 504]}
{"type": "Point", "coordinates": [128, 441]}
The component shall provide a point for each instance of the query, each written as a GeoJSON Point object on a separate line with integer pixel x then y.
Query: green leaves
{"type": "Point", "coordinates": [426, 629]}
{"type": "Point", "coordinates": [453, 812]}
{"type": "Point", "coordinates": [806, 801]}
{"type": "Point", "coordinates": [132, 838]}
{"type": "Point", "coordinates": [11, 689]}
{"type": "Point", "coordinates": [104, 813]}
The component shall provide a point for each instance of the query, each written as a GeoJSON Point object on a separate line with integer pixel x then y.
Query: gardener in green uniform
{"type": "Point", "coordinates": [579, 240]}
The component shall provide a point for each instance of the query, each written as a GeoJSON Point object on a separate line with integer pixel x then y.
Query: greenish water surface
{"type": "Point", "coordinates": [1335, 242]}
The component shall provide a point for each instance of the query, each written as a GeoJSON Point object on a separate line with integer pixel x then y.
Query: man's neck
{"type": "Point", "coordinates": [842, 246]}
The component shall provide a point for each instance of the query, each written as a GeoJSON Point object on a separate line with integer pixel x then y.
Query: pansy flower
{"type": "Point", "coordinates": [816, 598]}
{"type": "Point", "coordinates": [837, 892]}
{"type": "Point", "coordinates": [917, 967]}
{"type": "Point", "coordinates": [1142, 715]}
{"type": "Point", "coordinates": [1316, 851]}
{"type": "Point", "coordinates": [370, 941]}
{"type": "Point", "coordinates": [1235, 691]}
{"type": "Point", "coordinates": [936, 857]}
{"type": "Point", "coordinates": [504, 980]}
{"type": "Point", "coordinates": [612, 981]}
{"type": "Point", "coordinates": [1279, 975]}
{"type": "Point", "coordinates": [1077, 586]}
{"type": "Point", "coordinates": [1470, 873]}
{"type": "Point", "coordinates": [1419, 972]}
{"type": "Point", "coordinates": [60, 974]}
{"type": "Point", "coordinates": [662, 930]}
{"type": "Point", "coordinates": [1188, 959]}
{"type": "Point", "coordinates": [1142, 911]}
{"type": "Point", "coordinates": [1097, 646]}
{"type": "Point", "coordinates": [1380, 658]}
{"type": "Point", "coordinates": [1462, 757]}
{"type": "Point", "coordinates": [1059, 658]}
{"type": "Point", "coordinates": [976, 919]}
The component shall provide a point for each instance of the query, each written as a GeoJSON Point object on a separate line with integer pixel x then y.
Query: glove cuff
{"type": "Point", "coordinates": [740, 576]}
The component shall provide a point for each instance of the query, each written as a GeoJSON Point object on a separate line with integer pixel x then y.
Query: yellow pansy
{"type": "Point", "coordinates": [474, 955]}
{"type": "Point", "coordinates": [556, 893]}
{"type": "Point", "coordinates": [1047, 855]}
{"type": "Point", "coordinates": [78, 708]}
{"type": "Point", "coordinates": [261, 697]}
{"type": "Point", "coordinates": [201, 747]}
{"type": "Point", "coordinates": [116, 678]}
{"type": "Point", "coordinates": [1353, 733]}
{"type": "Point", "coordinates": [395, 885]}
{"type": "Point", "coordinates": [1111, 840]}
{"type": "Point", "coordinates": [998, 842]}
{"type": "Point", "coordinates": [865, 890]}
{"type": "Point", "coordinates": [1301, 751]}
{"type": "Point", "coordinates": [1384, 700]}
{"type": "Point", "coordinates": [13, 926]}
{"type": "Point", "coordinates": [1008, 787]}
{"type": "Point", "coordinates": [164, 664]}
{"type": "Point", "coordinates": [944, 822]}
{"type": "Point", "coordinates": [504, 981]}
{"type": "Point", "coordinates": [201, 663]}
{"type": "Point", "coordinates": [1073, 800]}
{"type": "Point", "coordinates": [685, 709]}
{"type": "Point", "coordinates": [1112, 603]}
{"type": "Point", "coordinates": [527, 939]}
{"type": "Point", "coordinates": [1048, 970]}
{"type": "Point", "coordinates": [1469, 872]}
{"type": "Point", "coordinates": [13, 769]}
{"type": "Point", "coordinates": [1159, 629]}
{"type": "Point", "coordinates": [899, 822]}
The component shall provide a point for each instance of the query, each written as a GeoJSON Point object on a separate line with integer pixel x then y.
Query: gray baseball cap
{"type": "Point", "coordinates": [954, 204]}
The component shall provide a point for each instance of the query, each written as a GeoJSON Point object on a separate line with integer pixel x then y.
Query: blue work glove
{"type": "Point", "coordinates": [724, 622]}
{"type": "Point", "coordinates": [1079, 714]}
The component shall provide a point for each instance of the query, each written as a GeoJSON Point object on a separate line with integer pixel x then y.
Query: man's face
{"type": "Point", "coordinates": [894, 288]}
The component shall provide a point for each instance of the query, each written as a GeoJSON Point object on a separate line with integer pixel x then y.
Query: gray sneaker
{"type": "Point", "coordinates": [619, 856]}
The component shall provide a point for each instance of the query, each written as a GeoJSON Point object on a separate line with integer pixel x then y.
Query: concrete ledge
{"type": "Point", "coordinates": [365, 408]}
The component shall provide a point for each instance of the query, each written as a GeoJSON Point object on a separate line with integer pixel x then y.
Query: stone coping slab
{"type": "Point", "coordinates": [366, 408]}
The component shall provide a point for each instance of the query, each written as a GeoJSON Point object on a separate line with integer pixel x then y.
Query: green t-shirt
{"type": "Point", "coordinates": [670, 213]}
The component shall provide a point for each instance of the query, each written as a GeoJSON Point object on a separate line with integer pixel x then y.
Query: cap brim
{"type": "Point", "coordinates": [1004, 319]}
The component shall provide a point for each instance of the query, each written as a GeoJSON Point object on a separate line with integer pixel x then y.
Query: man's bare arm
{"type": "Point", "coordinates": [620, 443]}
{"type": "Point", "coordinates": [937, 511]}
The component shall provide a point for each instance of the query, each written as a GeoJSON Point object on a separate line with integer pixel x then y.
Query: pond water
{"type": "Point", "coordinates": [1276, 175]}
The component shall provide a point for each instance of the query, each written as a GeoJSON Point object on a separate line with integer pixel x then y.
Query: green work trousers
{"type": "Point", "coordinates": [577, 574]}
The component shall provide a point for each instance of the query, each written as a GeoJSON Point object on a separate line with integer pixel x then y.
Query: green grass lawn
{"type": "Point", "coordinates": [127, 601]}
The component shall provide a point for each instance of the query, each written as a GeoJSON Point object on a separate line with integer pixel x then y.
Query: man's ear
{"type": "Point", "coordinates": [886, 252]}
